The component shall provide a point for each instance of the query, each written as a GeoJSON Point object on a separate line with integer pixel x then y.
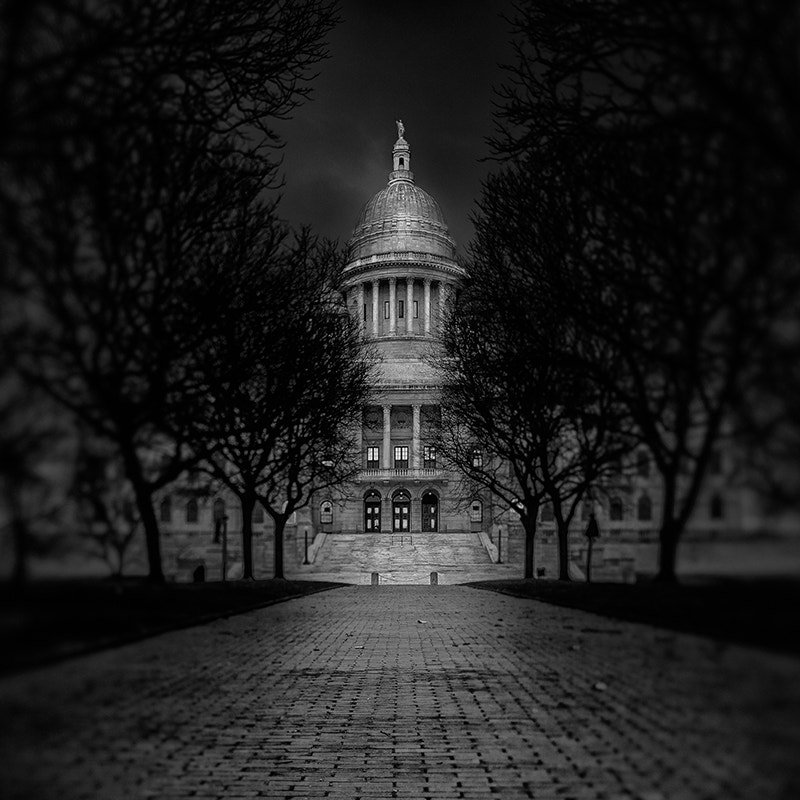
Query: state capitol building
{"type": "Point", "coordinates": [402, 519]}
{"type": "Point", "coordinates": [400, 271]}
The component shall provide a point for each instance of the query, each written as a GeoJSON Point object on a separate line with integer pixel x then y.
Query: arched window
{"type": "Point", "coordinates": [326, 512]}
{"type": "Point", "coordinates": [716, 508]}
{"type": "Point", "coordinates": [258, 514]}
{"type": "Point", "coordinates": [165, 510]}
{"type": "Point", "coordinates": [476, 511]}
{"type": "Point", "coordinates": [547, 513]}
{"type": "Point", "coordinates": [191, 510]}
{"type": "Point", "coordinates": [643, 464]}
{"type": "Point", "coordinates": [644, 508]}
{"type": "Point", "coordinates": [615, 509]}
{"type": "Point", "coordinates": [402, 162]}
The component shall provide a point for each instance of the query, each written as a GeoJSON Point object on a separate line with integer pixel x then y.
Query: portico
{"type": "Point", "coordinates": [396, 440]}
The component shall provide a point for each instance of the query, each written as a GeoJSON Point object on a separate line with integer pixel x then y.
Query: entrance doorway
{"type": "Point", "coordinates": [401, 511]}
{"type": "Point", "coordinates": [430, 512]}
{"type": "Point", "coordinates": [372, 512]}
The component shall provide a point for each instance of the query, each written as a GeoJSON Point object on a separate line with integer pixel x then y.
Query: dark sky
{"type": "Point", "coordinates": [432, 64]}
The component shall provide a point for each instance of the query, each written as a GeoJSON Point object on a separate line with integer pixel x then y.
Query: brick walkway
{"type": "Point", "coordinates": [408, 692]}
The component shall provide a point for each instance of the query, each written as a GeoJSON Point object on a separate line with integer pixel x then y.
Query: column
{"type": "Point", "coordinates": [375, 307]}
{"type": "Point", "coordinates": [387, 437]}
{"type": "Point", "coordinates": [415, 443]}
{"type": "Point", "coordinates": [392, 306]}
{"type": "Point", "coordinates": [409, 305]}
{"type": "Point", "coordinates": [426, 306]}
{"type": "Point", "coordinates": [362, 323]}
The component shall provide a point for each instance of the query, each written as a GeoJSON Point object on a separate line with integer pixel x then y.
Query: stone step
{"type": "Point", "coordinates": [406, 558]}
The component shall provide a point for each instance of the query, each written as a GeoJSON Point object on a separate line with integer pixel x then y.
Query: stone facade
{"type": "Point", "coordinates": [401, 271]}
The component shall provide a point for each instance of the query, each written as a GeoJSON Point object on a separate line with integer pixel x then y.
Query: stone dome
{"type": "Point", "coordinates": [401, 218]}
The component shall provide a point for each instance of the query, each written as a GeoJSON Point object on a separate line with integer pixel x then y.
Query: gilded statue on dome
{"type": "Point", "coordinates": [401, 129]}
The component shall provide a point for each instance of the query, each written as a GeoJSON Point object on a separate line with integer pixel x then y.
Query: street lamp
{"type": "Point", "coordinates": [499, 545]}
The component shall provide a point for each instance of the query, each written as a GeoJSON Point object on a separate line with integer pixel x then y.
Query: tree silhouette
{"type": "Point", "coordinates": [691, 196]}
{"type": "Point", "coordinates": [289, 375]}
{"type": "Point", "coordinates": [515, 385]}
{"type": "Point", "coordinates": [132, 136]}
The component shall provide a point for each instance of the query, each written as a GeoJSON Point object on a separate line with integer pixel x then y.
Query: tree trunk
{"type": "Point", "coordinates": [667, 554]}
{"type": "Point", "coordinates": [668, 535]}
{"type": "Point", "coordinates": [529, 524]}
{"type": "Point", "coordinates": [20, 530]}
{"type": "Point", "coordinates": [589, 561]}
{"type": "Point", "coordinates": [144, 504]}
{"type": "Point", "coordinates": [248, 504]}
{"type": "Point", "coordinates": [280, 525]}
{"type": "Point", "coordinates": [563, 550]}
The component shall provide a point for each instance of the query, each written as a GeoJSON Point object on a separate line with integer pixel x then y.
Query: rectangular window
{"type": "Point", "coordinates": [477, 459]}
{"type": "Point", "coordinates": [429, 456]}
{"type": "Point", "coordinates": [373, 455]}
{"type": "Point", "coordinates": [416, 309]}
{"type": "Point", "coordinates": [402, 307]}
{"type": "Point", "coordinates": [386, 309]}
{"type": "Point", "coordinates": [401, 457]}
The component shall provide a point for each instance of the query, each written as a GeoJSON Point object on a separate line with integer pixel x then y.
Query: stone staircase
{"type": "Point", "coordinates": [403, 558]}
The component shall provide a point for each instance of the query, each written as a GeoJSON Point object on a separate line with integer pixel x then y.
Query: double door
{"type": "Point", "coordinates": [401, 516]}
{"type": "Point", "coordinates": [372, 516]}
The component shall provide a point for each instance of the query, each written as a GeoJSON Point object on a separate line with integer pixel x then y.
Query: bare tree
{"type": "Point", "coordinates": [693, 252]}
{"type": "Point", "coordinates": [515, 389]}
{"type": "Point", "coordinates": [131, 134]}
{"type": "Point", "coordinates": [290, 375]}
{"type": "Point", "coordinates": [124, 290]}
{"type": "Point", "coordinates": [73, 67]}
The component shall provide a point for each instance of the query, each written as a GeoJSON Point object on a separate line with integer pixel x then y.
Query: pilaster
{"type": "Point", "coordinates": [387, 437]}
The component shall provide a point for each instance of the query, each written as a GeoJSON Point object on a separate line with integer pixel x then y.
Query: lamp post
{"type": "Point", "coordinates": [499, 545]}
{"type": "Point", "coordinates": [305, 555]}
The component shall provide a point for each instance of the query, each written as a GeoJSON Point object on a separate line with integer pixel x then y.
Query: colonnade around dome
{"type": "Point", "coordinates": [400, 306]}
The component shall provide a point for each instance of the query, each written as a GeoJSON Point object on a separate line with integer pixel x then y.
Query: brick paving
{"type": "Point", "coordinates": [407, 692]}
